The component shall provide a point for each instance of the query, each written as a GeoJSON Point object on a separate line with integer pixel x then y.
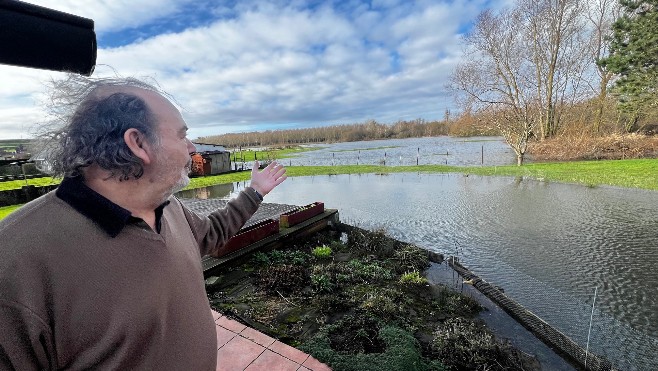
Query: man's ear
{"type": "Point", "coordinates": [138, 144]}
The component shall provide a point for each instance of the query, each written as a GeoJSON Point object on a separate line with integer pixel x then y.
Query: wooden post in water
{"type": "Point", "coordinates": [482, 161]}
{"type": "Point", "coordinates": [358, 156]}
{"type": "Point", "coordinates": [417, 155]}
{"type": "Point", "coordinates": [384, 158]}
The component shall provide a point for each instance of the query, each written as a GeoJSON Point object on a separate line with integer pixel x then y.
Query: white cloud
{"type": "Point", "coordinates": [114, 15]}
{"type": "Point", "coordinates": [271, 65]}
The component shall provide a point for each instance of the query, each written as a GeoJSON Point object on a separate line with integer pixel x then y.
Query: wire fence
{"type": "Point", "coordinates": [580, 320]}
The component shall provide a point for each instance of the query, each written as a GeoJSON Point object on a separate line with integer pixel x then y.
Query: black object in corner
{"type": "Point", "coordinates": [37, 37]}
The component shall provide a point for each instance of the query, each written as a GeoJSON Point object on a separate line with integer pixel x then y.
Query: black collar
{"type": "Point", "coordinates": [111, 217]}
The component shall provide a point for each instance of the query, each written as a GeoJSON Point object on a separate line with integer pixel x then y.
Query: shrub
{"type": "Point", "coordinates": [283, 278]}
{"type": "Point", "coordinates": [359, 271]}
{"type": "Point", "coordinates": [321, 283]}
{"type": "Point", "coordinates": [453, 303]}
{"type": "Point", "coordinates": [293, 257]}
{"type": "Point", "coordinates": [410, 258]}
{"type": "Point", "coordinates": [384, 303]}
{"type": "Point", "coordinates": [462, 344]}
{"type": "Point", "coordinates": [260, 258]}
{"type": "Point", "coordinates": [366, 242]}
{"type": "Point", "coordinates": [412, 278]}
{"type": "Point", "coordinates": [322, 252]}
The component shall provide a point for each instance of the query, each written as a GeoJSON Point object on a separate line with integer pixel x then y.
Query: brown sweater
{"type": "Point", "coordinates": [74, 297]}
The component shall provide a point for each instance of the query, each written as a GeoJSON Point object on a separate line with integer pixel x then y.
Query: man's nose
{"type": "Point", "coordinates": [190, 146]}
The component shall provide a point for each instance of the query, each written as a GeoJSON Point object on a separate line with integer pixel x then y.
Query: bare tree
{"type": "Point", "coordinates": [526, 64]}
{"type": "Point", "coordinates": [555, 33]}
{"type": "Point", "coordinates": [601, 15]}
{"type": "Point", "coordinates": [495, 78]}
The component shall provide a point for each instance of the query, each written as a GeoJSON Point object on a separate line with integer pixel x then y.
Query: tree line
{"type": "Point", "coordinates": [369, 130]}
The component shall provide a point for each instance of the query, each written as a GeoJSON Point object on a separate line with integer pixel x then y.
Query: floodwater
{"type": "Point", "coordinates": [550, 246]}
{"type": "Point", "coordinates": [488, 151]}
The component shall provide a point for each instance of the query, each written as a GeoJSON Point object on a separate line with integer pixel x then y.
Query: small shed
{"type": "Point", "coordinates": [210, 159]}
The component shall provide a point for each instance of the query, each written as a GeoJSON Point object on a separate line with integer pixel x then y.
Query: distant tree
{"type": "Point", "coordinates": [369, 130]}
{"type": "Point", "coordinates": [601, 14]}
{"type": "Point", "coordinates": [634, 59]}
{"type": "Point", "coordinates": [496, 78]}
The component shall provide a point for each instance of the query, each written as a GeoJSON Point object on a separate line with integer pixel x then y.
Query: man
{"type": "Point", "coordinates": [105, 272]}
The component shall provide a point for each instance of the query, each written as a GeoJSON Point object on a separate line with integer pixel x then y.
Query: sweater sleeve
{"type": "Point", "coordinates": [214, 231]}
{"type": "Point", "coordinates": [26, 342]}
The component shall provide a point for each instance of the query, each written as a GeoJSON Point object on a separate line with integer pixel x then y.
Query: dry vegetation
{"type": "Point", "coordinates": [610, 147]}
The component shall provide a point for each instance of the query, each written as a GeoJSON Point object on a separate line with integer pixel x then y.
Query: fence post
{"type": "Point", "coordinates": [589, 332]}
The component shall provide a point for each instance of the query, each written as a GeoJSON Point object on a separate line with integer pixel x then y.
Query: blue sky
{"type": "Point", "coordinates": [247, 65]}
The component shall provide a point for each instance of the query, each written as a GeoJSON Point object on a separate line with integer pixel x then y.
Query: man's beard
{"type": "Point", "coordinates": [184, 179]}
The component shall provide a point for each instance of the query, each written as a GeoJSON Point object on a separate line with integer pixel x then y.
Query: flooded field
{"type": "Point", "coordinates": [550, 246]}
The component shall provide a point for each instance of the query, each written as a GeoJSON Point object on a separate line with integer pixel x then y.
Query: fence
{"type": "Point", "coordinates": [580, 330]}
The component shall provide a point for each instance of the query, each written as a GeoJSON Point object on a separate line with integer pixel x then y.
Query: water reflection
{"type": "Point", "coordinates": [216, 191]}
{"type": "Point", "coordinates": [548, 245]}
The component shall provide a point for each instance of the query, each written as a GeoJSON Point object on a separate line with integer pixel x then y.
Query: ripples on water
{"type": "Point", "coordinates": [547, 245]}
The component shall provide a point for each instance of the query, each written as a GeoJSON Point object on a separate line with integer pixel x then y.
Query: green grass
{"type": "Point", "coordinates": [6, 210]}
{"type": "Point", "coordinates": [275, 154]}
{"type": "Point", "coordinates": [17, 184]}
{"type": "Point", "coordinates": [642, 174]}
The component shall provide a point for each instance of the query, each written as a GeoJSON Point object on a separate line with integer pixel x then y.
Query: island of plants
{"type": "Point", "coordinates": [360, 301]}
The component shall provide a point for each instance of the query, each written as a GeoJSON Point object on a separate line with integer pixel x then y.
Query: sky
{"type": "Point", "coordinates": [243, 65]}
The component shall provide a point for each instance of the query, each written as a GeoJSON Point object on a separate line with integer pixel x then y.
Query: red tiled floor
{"type": "Point", "coordinates": [228, 324]}
{"type": "Point", "coordinates": [215, 315]}
{"type": "Point", "coordinates": [257, 337]}
{"type": "Point", "coordinates": [289, 352]}
{"type": "Point", "coordinates": [271, 361]}
{"type": "Point", "coordinates": [223, 336]}
{"type": "Point", "coordinates": [238, 354]}
{"type": "Point", "coordinates": [243, 348]}
{"type": "Point", "coordinates": [315, 365]}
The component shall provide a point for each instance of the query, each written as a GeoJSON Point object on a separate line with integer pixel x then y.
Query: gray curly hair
{"type": "Point", "coordinates": [90, 119]}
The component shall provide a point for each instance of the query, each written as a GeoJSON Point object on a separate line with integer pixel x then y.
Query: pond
{"type": "Point", "coordinates": [548, 245]}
